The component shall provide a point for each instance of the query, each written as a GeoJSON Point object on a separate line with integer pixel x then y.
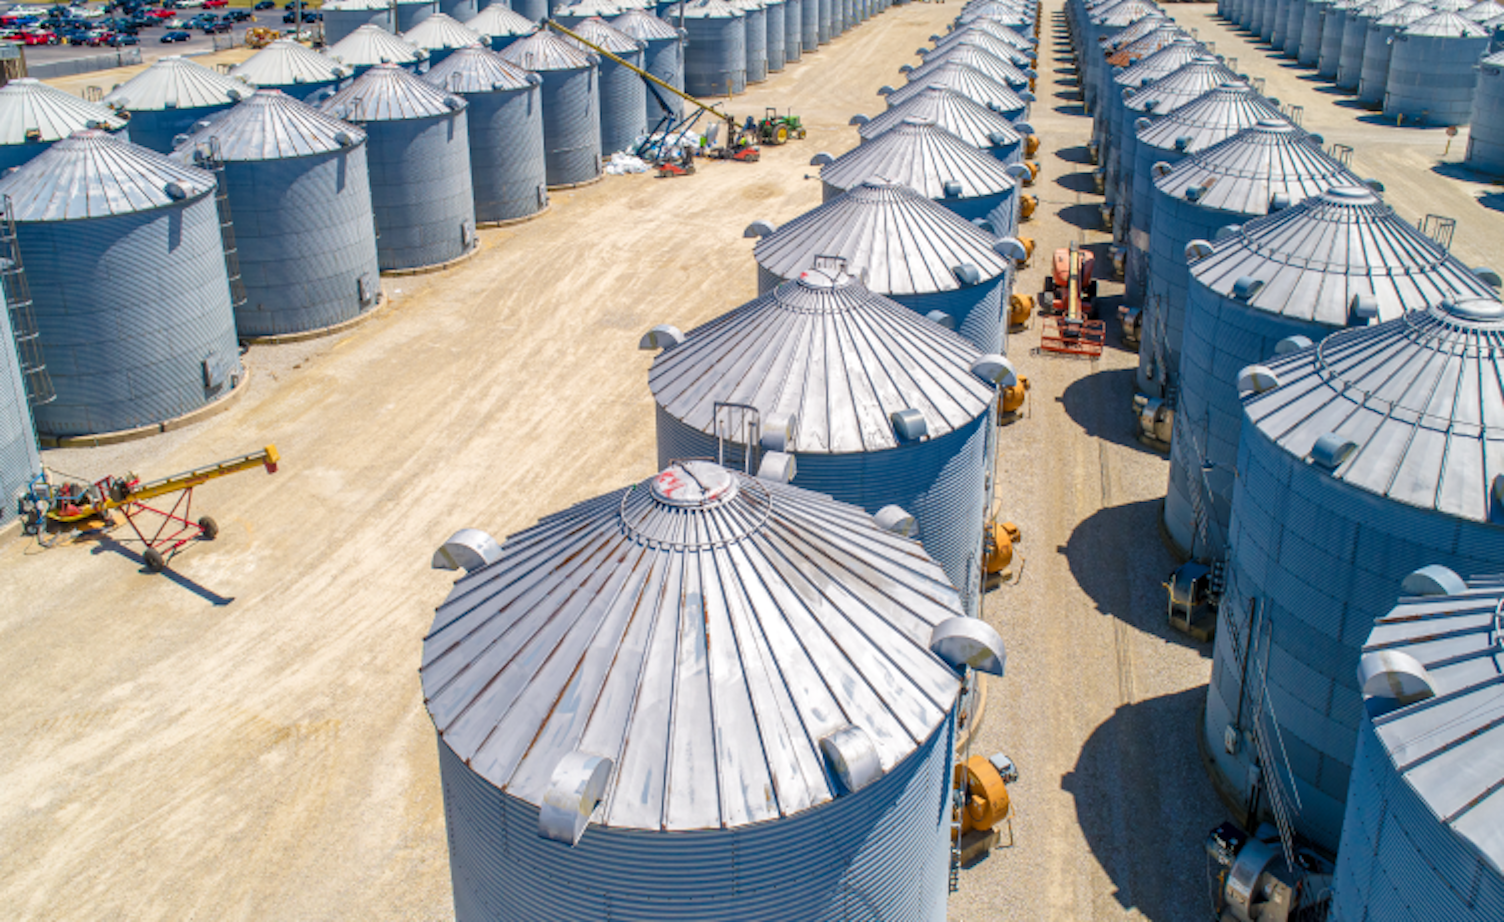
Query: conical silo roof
{"type": "Point", "coordinates": [1158, 37]}
{"type": "Point", "coordinates": [177, 83]}
{"type": "Point", "coordinates": [1482, 12]}
{"type": "Point", "coordinates": [441, 32]}
{"type": "Point", "coordinates": [1187, 82]}
{"type": "Point", "coordinates": [1373, 9]}
{"type": "Point", "coordinates": [1449, 745]}
{"type": "Point", "coordinates": [1419, 400]}
{"type": "Point", "coordinates": [1244, 172]}
{"type": "Point", "coordinates": [1449, 6]}
{"type": "Point", "coordinates": [968, 120]}
{"type": "Point", "coordinates": [388, 93]}
{"type": "Point", "coordinates": [286, 62]}
{"type": "Point", "coordinates": [897, 240]}
{"type": "Point", "coordinates": [598, 32]}
{"type": "Point", "coordinates": [1126, 14]}
{"type": "Point", "coordinates": [645, 27]}
{"type": "Point", "coordinates": [1404, 15]}
{"type": "Point", "coordinates": [996, 12]}
{"type": "Point", "coordinates": [837, 357]}
{"type": "Point", "coordinates": [93, 174]}
{"type": "Point", "coordinates": [995, 29]}
{"type": "Point", "coordinates": [1309, 260]}
{"type": "Point", "coordinates": [370, 45]}
{"type": "Point", "coordinates": [545, 51]}
{"type": "Point", "coordinates": [498, 20]}
{"type": "Point", "coordinates": [998, 69]}
{"type": "Point", "coordinates": [584, 9]}
{"type": "Point", "coordinates": [704, 9]}
{"type": "Point", "coordinates": [1160, 64]}
{"type": "Point", "coordinates": [1134, 31]}
{"type": "Point", "coordinates": [478, 70]}
{"type": "Point", "coordinates": [270, 125]}
{"type": "Point", "coordinates": [987, 42]}
{"type": "Point", "coordinates": [966, 80]}
{"type": "Point", "coordinates": [706, 632]}
{"type": "Point", "coordinates": [28, 105]}
{"type": "Point", "coordinates": [1214, 116]}
{"type": "Point", "coordinates": [1445, 25]}
{"type": "Point", "coordinates": [924, 157]}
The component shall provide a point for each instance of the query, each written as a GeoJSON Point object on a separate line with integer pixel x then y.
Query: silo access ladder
{"type": "Point", "coordinates": [23, 325]}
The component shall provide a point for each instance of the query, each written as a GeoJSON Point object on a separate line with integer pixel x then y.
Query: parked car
{"type": "Point", "coordinates": [177, 35]}
{"type": "Point", "coordinates": [212, 27]}
{"type": "Point", "coordinates": [307, 17]}
{"type": "Point", "coordinates": [161, 14]}
{"type": "Point", "coordinates": [211, 4]}
{"type": "Point", "coordinates": [240, 16]}
{"type": "Point", "coordinates": [39, 37]}
{"type": "Point", "coordinates": [266, 5]}
{"type": "Point", "coordinates": [123, 38]}
{"type": "Point", "coordinates": [174, 23]}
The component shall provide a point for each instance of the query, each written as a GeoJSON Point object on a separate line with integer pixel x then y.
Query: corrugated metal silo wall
{"type": "Point", "coordinates": [1222, 337]}
{"type": "Point", "coordinates": [340, 23]}
{"type": "Point", "coordinates": [793, 31]}
{"type": "Point", "coordinates": [880, 853]}
{"type": "Point", "coordinates": [623, 104]}
{"type": "Point", "coordinates": [1397, 861]}
{"type": "Point", "coordinates": [19, 462]}
{"type": "Point", "coordinates": [13, 155]}
{"type": "Point", "coordinates": [776, 60]}
{"type": "Point", "coordinates": [976, 309]}
{"type": "Point", "coordinates": [825, 21]}
{"type": "Point", "coordinates": [1123, 198]}
{"type": "Point", "coordinates": [1312, 27]}
{"type": "Point", "coordinates": [664, 59]}
{"type": "Point", "coordinates": [809, 25]}
{"type": "Point", "coordinates": [1256, 16]}
{"type": "Point", "coordinates": [536, 10]}
{"type": "Point", "coordinates": [129, 309]}
{"type": "Point", "coordinates": [1324, 559]}
{"type": "Point", "coordinates": [420, 190]}
{"type": "Point", "coordinates": [1334, 22]}
{"type": "Point", "coordinates": [571, 126]}
{"type": "Point", "coordinates": [715, 61]}
{"type": "Point", "coordinates": [1485, 142]}
{"type": "Point", "coordinates": [306, 241]}
{"type": "Point", "coordinates": [1274, 26]}
{"type": "Point", "coordinates": [757, 44]}
{"type": "Point", "coordinates": [1354, 41]}
{"type": "Point", "coordinates": [1374, 76]}
{"type": "Point", "coordinates": [409, 14]}
{"type": "Point", "coordinates": [158, 129]}
{"type": "Point", "coordinates": [1176, 223]}
{"type": "Point", "coordinates": [1433, 78]}
{"type": "Point", "coordinates": [941, 482]}
{"type": "Point", "coordinates": [461, 10]}
{"type": "Point", "coordinates": [506, 154]}
{"type": "Point", "coordinates": [1141, 219]}
{"type": "Point", "coordinates": [1293, 25]}
{"type": "Point", "coordinates": [1120, 131]}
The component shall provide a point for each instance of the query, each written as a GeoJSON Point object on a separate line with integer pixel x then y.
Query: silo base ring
{"type": "Point", "coordinates": [282, 339]}
{"type": "Point", "coordinates": [522, 220]}
{"type": "Point", "coordinates": [436, 267]}
{"type": "Point", "coordinates": [565, 187]}
{"type": "Point", "coordinates": [213, 408]}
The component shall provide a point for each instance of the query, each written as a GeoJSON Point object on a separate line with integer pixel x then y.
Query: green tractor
{"type": "Point", "coordinates": [779, 129]}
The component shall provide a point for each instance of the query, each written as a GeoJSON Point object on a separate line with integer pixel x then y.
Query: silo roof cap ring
{"type": "Point", "coordinates": [1275, 124]}
{"type": "Point", "coordinates": [1350, 195]}
{"type": "Point", "coordinates": [694, 484]}
{"type": "Point", "coordinates": [1476, 309]}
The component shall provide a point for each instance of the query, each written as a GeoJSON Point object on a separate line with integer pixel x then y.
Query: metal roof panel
{"type": "Point", "coordinates": [93, 174]}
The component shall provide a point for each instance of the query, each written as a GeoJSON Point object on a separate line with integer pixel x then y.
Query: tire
{"type": "Point", "coordinates": [1049, 283]}
{"type": "Point", "coordinates": [781, 135]}
{"type": "Point", "coordinates": [209, 527]}
{"type": "Point", "coordinates": [155, 562]}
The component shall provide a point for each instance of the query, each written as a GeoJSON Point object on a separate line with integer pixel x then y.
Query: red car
{"type": "Point", "coordinates": [161, 14]}
{"type": "Point", "coordinates": [211, 4]}
{"type": "Point", "coordinates": [39, 37]}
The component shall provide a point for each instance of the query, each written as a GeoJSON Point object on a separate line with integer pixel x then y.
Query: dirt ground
{"type": "Point", "coordinates": [244, 737]}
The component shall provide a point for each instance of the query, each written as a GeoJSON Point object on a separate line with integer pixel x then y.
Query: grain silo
{"type": "Point", "coordinates": [1355, 38]}
{"type": "Point", "coordinates": [903, 246]}
{"type": "Point", "coordinates": [571, 106]}
{"type": "Point", "coordinates": [1482, 11]}
{"type": "Point", "coordinates": [1164, 34]}
{"type": "Point", "coordinates": [1361, 459]}
{"type": "Point", "coordinates": [777, 37]}
{"type": "Point", "coordinates": [971, 83]}
{"type": "Point", "coordinates": [293, 68]}
{"type": "Point", "coordinates": [755, 16]}
{"type": "Point", "coordinates": [1320, 265]}
{"type": "Point", "coordinates": [1485, 140]}
{"type": "Point", "coordinates": [809, 26]}
{"type": "Point", "coordinates": [532, 10]}
{"type": "Point", "coordinates": [165, 100]}
{"type": "Point", "coordinates": [1110, 46]}
{"type": "Point", "coordinates": [501, 26]}
{"type": "Point", "coordinates": [1333, 25]}
{"type": "Point", "coordinates": [937, 164]}
{"type": "Point", "coordinates": [972, 56]}
{"type": "Point", "coordinates": [663, 57]}
{"type": "Point", "coordinates": [825, 25]}
{"type": "Point", "coordinates": [1265, 167]}
{"type": "Point", "coordinates": [459, 10]}
{"type": "Point", "coordinates": [1373, 78]}
{"type": "Point", "coordinates": [986, 41]}
{"type": "Point", "coordinates": [1433, 70]}
{"type": "Point", "coordinates": [793, 31]}
{"type": "Point", "coordinates": [1295, 19]}
{"type": "Point", "coordinates": [970, 121]}
{"type": "Point", "coordinates": [1272, 30]}
{"type": "Point", "coordinates": [35, 115]}
{"type": "Point", "coordinates": [370, 46]}
{"type": "Point", "coordinates": [504, 120]}
{"type": "Point", "coordinates": [1155, 100]}
{"type": "Point", "coordinates": [439, 35]}
{"type": "Point", "coordinates": [342, 17]}
{"type": "Point", "coordinates": [20, 463]}
{"type": "Point", "coordinates": [715, 47]}
{"type": "Point", "coordinates": [623, 93]}
{"type": "Point", "coordinates": [297, 185]}
{"type": "Point", "coordinates": [126, 266]}
{"type": "Point", "coordinates": [412, 12]}
{"type": "Point", "coordinates": [907, 432]}
{"type": "Point", "coordinates": [1312, 27]}
{"type": "Point", "coordinates": [1104, 23]}
{"type": "Point", "coordinates": [572, 14]}
{"type": "Point", "coordinates": [1157, 66]}
{"type": "Point", "coordinates": [992, 30]}
{"type": "Point", "coordinates": [631, 777]}
{"type": "Point", "coordinates": [418, 148]}
{"type": "Point", "coordinates": [1421, 840]}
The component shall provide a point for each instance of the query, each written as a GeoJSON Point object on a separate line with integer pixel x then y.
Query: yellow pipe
{"type": "Point", "coordinates": [638, 71]}
{"type": "Point", "coordinates": [266, 457]}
